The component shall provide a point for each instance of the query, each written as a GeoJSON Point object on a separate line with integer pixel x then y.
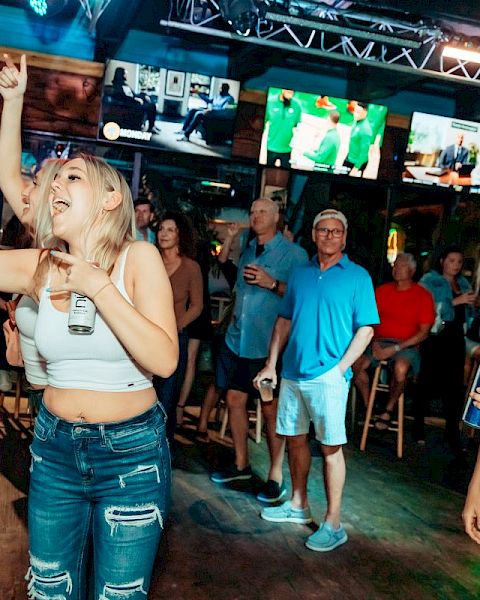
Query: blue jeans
{"type": "Point", "coordinates": [99, 487]}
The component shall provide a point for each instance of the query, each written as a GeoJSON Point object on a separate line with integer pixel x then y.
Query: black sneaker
{"type": "Point", "coordinates": [231, 473]}
{"type": "Point", "coordinates": [271, 492]}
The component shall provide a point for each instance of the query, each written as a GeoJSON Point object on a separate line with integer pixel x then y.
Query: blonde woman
{"type": "Point", "coordinates": [29, 201]}
{"type": "Point", "coordinates": [101, 466]}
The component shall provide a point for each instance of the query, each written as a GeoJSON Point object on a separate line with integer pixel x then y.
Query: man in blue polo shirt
{"type": "Point", "coordinates": [327, 316]}
{"type": "Point", "coordinates": [263, 272]}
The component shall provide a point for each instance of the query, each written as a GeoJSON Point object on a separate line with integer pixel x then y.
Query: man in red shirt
{"type": "Point", "coordinates": [407, 314]}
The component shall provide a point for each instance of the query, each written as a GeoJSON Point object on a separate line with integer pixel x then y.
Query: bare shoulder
{"type": "Point", "coordinates": [143, 251]}
{"type": "Point", "coordinates": [143, 256]}
{"type": "Point", "coordinates": [144, 264]}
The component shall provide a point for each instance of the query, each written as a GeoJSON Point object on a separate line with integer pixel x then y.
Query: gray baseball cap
{"type": "Point", "coordinates": [330, 213]}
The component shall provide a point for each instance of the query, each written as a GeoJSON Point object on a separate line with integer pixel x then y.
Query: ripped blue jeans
{"type": "Point", "coordinates": [99, 488]}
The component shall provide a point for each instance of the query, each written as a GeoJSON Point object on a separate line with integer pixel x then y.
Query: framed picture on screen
{"type": "Point", "coordinates": [174, 83]}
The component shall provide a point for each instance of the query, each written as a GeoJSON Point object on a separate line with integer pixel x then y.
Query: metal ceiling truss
{"type": "Point", "coordinates": [94, 9]}
{"type": "Point", "coordinates": [366, 38]}
{"type": "Point", "coordinates": [460, 68]}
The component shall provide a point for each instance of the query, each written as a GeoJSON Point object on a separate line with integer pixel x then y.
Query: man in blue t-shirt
{"type": "Point", "coordinates": [326, 316]}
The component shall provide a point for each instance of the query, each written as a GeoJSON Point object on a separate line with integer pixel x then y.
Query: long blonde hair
{"type": "Point", "coordinates": [42, 224]}
{"type": "Point", "coordinates": [111, 228]}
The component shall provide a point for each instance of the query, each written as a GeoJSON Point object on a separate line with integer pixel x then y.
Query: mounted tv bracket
{"type": "Point", "coordinates": [319, 30]}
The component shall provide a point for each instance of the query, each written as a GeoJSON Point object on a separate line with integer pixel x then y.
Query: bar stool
{"type": "Point", "coordinates": [18, 396]}
{"type": "Point", "coordinates": [395, 425]}
{"type": "Point", "coordinates": [254, 416]}
{"type": "Point", "coordinates": [219, 305]}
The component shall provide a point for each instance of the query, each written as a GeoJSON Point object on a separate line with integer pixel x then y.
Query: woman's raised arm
{"type": "Point", "coordinates": [13, 83]}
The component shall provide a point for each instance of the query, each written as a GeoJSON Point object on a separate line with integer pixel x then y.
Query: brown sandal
{"type": "Point", "coordinates": [202, 437]}
{"type": "Point", "coordinates": [381, 423]}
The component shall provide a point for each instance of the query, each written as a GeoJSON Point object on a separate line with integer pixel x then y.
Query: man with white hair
{"type": "Point", "coordinates": [326, 316]}
{"type": "Point", "coordinates": [407, 314]}
{"type": "Point", "coordinates": [263, 273]}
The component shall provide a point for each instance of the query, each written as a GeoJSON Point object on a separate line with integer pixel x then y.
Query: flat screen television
{"type": "Point", "coordinates": [311, 132]}
{"type": "Point", "coordinates": [143, 105]}
{"type": "Point", "coordinates": [442, 151]}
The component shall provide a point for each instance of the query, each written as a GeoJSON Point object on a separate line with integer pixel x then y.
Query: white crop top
{"type": "Point", "coordinates": [26, 316]}
{"type": "Point", "coordinates": [90, 362]}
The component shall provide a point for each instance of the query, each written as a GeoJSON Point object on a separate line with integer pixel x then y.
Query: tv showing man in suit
{"type": "Point", "coordinates": [441, 151]}
{"type": "Point", "coordinates": [455, 155]}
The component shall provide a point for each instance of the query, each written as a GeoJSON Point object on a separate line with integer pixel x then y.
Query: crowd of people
{"type": "Point", "coordinates": [412, 317]}
{"type": "Point", "coordinates": [107, 403]}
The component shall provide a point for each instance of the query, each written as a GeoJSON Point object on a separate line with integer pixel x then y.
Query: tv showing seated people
{"type": "Point", "coordinates": [442, 151]}
{"type": "Point", "coordinates": [315, 132]}
{"type": "Point", "coordinates": [143, 105]}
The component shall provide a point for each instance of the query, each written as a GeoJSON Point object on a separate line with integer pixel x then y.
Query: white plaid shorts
{"type": "Point", "coordinates": [322, 400]}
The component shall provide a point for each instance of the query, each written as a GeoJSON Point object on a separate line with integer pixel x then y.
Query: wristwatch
{"type": "Point", "coordinates": [397, 348]}
{"type": "Point", "coordinates": [275, 285]}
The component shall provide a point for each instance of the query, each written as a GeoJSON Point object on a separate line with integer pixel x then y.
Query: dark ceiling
{"type": "Point", "coordinates": [467, 10]}
{"type": "Point", "coordinates": [146, 14]}
{"type": "Point", "coordinates": [248, 60]}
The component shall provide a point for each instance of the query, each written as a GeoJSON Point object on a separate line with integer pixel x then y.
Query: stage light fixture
{"type": "Point", "coordinates": [47, 8]}
{"type": "Point", "coordinates": [241, 15]}
{"type": "Point", "coordinates": [461, 54]}
{"type": "Point", "coordinates": [39, 7]}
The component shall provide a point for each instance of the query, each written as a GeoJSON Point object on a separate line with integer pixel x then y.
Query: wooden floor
{"type": "Point", "coordinates": [402, 518]}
